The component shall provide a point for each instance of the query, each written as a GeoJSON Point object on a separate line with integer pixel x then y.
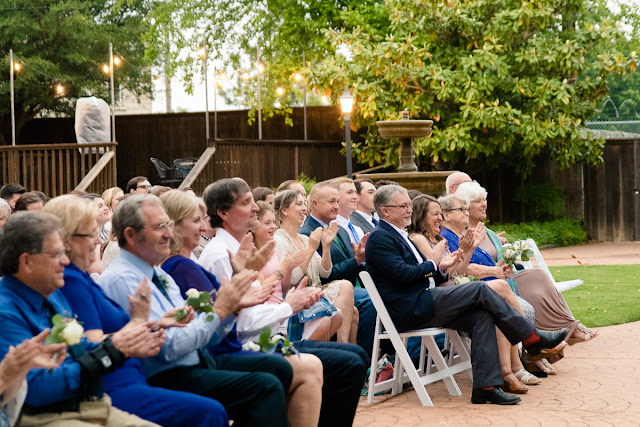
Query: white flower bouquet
{"type": "Point", "coordinates": [518, 250]}
{"type": "Point", "coordinates": [201, 301]}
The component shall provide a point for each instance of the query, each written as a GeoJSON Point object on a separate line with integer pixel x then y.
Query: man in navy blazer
{"type": "Point", "coordinates": [406, 281]}
{"type": "Point", "coordinates": [347, 259]}
{"type": "Point", "coordinates": [362, 216]}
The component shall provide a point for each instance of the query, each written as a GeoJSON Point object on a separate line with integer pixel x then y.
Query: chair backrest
{"type": "Point", "coordinates": [539, 260]}
{"type": "Point", "coordinates": [161, 168]}
{"type": "Point", "coordinates": [184, 166]}
{"type": "Point", "coordinates": [378, 304]}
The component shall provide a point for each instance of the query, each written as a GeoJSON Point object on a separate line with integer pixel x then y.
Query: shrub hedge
{"type": "Point", "coordinates": [559, 232]}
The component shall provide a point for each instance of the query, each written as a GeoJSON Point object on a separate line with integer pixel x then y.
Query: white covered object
{"type": "Point", "coordinates": [92, 121]}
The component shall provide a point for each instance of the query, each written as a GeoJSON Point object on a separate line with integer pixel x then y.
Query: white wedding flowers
{"type": "Point", "coordinates": [276, 339]}
{"type": "Point", "coordinates": [461, 280]}
{"type": "Point", "coordinates": [250, 346]}
{"type": "Point", "coordinates": [509, 254]}
{"type": "Point", "coordinates": [72, 332]}
{"type": "Point", "coordinates": [193, 293]}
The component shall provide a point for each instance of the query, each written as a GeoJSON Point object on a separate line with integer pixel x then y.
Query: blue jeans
{"type": "Point", "coordinates": [367, 322]}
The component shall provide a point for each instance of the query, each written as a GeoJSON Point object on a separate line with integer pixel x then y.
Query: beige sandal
{"type": "Point", "coordinates": [588, 334]}
{"type": "Point", "coordinates": [527, 378]}
{"type": "Point", "coordinates": [544, 366]}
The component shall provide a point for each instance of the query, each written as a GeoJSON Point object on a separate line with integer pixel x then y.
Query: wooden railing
{"type": "Point", "coordinates": [57, 169]}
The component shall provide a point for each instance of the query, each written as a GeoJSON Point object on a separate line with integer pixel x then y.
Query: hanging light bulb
{"type": "Point", "coordinates": [201, 52]}
{"type": "Point", "coordinates": [245, 76]}
{"type": "Point", "coordinates": [105, 68]}
{"type": "Point", "coordinates": [59, 89]}
{"type": "Point", "coordinates": [260, 68]}
{"type": "Point", "coordinates": [16, 66]}
{"type": "Point", "coordinates": [297, 76]}
{"type": "Point", "coordinates": [116, 60]}
{"type": "Point", "coordinates": [280, 91]}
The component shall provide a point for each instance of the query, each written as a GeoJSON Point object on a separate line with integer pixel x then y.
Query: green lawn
{"type": "Point", "coordinates": [610, 294]}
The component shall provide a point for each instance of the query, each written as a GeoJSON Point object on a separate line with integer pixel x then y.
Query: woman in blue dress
{"type": "Point", "coordinates": [101, 316]}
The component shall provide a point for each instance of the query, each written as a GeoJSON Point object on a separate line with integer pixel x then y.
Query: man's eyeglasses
{"type": "Point", "coordinates": [163, 226]}
{"type": "Point", "coordinates": [58, 255]}
{"type": "Point", "coordinates": [405, 207]}
{"type": "Point", "coordinates": [144, 186]}
{"type": "Point", "coordinates": [463, 210]}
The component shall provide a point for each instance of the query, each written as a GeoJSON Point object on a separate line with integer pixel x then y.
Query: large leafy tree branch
{"type": "Point", "coordinates": [66, 42]}
{"type": "Point", "coordinates": [499, 78]}
{"type": "Point", "coordinates": [283, 30]}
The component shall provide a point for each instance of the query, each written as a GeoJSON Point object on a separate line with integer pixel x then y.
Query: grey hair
{"type": "Point", "coordinates": [23, 232]}
{"type": "Point", "coordinates": [4, 206]}
{"type": "Point", "coordinates": [129, 213]}
{"type": "Point", "coordinates": [384, 195]}
{"type": "Point", "coordinates": [471, 191]}
{"type": "Point", "coordinates": [447, 202]}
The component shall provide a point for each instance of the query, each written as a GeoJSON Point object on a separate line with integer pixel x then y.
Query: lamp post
{"type": "Point", "coordinates": [113, 102]}
{"type": "Point", "coordinates": [202, 52]}
{"type": "Point", "coordinates": [260, 68]}
{"type": "Point", "coordinates": [13, 108]}
{"type": "Point", "coordinates": [346, 104]}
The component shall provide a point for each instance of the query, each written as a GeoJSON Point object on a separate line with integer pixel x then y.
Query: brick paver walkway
{"type": "Point", "coordinates": [598, 385]}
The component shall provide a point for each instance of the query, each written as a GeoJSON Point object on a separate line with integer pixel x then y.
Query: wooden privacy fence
{"type": "Point", "coordinates": [612, 193]}
{"type": "Point", "coordinates": [270, 162]}
{"type": "Point", "coordinates": [57, 169]}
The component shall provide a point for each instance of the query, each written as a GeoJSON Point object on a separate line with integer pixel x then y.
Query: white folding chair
{"type": "Point", "coordinates": [435, 368]}
{"type": "Point", "coordinates": [560, 286]}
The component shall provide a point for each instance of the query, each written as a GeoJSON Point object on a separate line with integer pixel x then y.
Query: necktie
{"type": "Point", "coordinates": [51, 310]}
{"type": "Point", "coordinates": [375, 221]}
{"type": "Point", "coordinates": [162, 287]}
{"type": "Point", "coordinates": [353, 232]}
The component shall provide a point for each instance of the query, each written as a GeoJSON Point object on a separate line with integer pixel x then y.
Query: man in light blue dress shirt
{"type": "Point", "coordinates": [144, 232]}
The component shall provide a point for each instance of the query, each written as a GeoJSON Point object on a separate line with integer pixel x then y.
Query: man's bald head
{"type": "Point", "coordinates": [323, 202]}
{"type": "Point", "coordinates": [454, 180]}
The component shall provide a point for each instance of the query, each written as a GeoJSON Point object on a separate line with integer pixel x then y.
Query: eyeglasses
{"type": "Point", "coordinates": [163, 226]}
{"type": "Point", "coordinates": [58, 255]}
{"type": "Point", "coordinates": [90, 235]}
{"type": "Point", "coordinates": [146, 187]}
{"type": "Point", "coordinates": [463, 210]}
{"type": "Point", "coordinates": [405, 207]}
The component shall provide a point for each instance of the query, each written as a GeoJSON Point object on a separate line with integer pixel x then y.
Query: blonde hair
{"type": "Point", "coordinates": [283, 200]}
{"type": "Point", "coordinates": [108, 195]}
{"type": "Point", "coordinates": [73, 211]}
{"type": "Point", "coordinates": [178, 205]}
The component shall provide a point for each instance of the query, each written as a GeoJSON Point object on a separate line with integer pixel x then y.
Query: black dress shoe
{"type": "Point", "coordinates": [548, 340]}
{"type": "Point", "coordinates": [495, 396]}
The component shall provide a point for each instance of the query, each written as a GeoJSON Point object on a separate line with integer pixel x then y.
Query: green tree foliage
{"type": "Point", "coordinates": [283, 29]}
{"type": "Point", "coordinates": [499, 78]}
{"type": "Point", "coordinates": [66, 42]}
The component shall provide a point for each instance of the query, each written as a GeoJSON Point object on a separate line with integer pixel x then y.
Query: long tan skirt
{"type": "Point", "coordinates": [552, 312]}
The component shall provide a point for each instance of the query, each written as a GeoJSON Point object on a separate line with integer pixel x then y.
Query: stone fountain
{"type": "Point", "coordinates": [406, 131]}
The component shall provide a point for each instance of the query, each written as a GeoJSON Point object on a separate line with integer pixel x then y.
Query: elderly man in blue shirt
{"type": "Point", "coordinates": [32, 261]}
{"type": "Point", "coordinates": [144, 232]}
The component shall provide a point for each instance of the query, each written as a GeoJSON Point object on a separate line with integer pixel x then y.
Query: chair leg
{"type": "Point", "coordinates": [462, 347]}
{"type": "Point", "coordinates": [441, 366]}
{"type": "Point", "coordinates": [375, 354]}
{"type": "Point", "coordinates": [402, 358]}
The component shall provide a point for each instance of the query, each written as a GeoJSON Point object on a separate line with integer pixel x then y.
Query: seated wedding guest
{"type": "Point", "coordinates": [111, 197]}
{"type": "Point", "coordinates": [5, 211]}
{"type": "Point", "coordinates": [15, 366]}
{"type": "Point", "coordinates": [454, 180]}
{"type": "Point", "coordinates": [32, 262]}
{"type": "Point", "coordinates": [101, 316]}
{"type": "Point", "coordinates": [363, 215]}
{"type": "Point", "coordinates": [406, 281]}
{"type": "Point", "coordinates": [231, 208]}
{"type": "Point", "coordinates": [291, 210]}
{"type": "Point", "coordinates": [29, 202]}
{"type": "Point", "coordinates": [11, 193]}
{"type": "Point", "coordinates": [535, 286]}
{"type": "Point", "coordinates": [292, 184]}
{"type": "Point", "coordinates": [424, 231]}
{"type": "Point", "coordinates": [144, 233]}
{"type": "Point", "coordinates": [42, 196]}
{"type": "Point", "coordinates": [347, 258]}
{"type": "Point", "coordinates": [303, 400]}
{"type": "Point", "coordinates": [138, 185]}
{"type": "Point", "coordinates": [413, 194]}
{"type": "Point", "coordinates": [159, 190]}
{"type": "Point", "coordinates": [323, 324]}
{"type": "Point", "coordinates": [264, 194]}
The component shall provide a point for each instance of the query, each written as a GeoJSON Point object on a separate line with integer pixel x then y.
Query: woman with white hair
{"type": "Point", "coordinates": [5, 211]}
{"type": "Point", "coordinates": [534, 285]}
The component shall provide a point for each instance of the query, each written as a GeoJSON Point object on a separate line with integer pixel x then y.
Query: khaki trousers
{"type": "Point", "coordinates": [99, 412]}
